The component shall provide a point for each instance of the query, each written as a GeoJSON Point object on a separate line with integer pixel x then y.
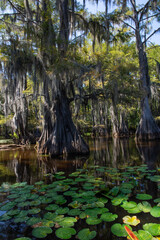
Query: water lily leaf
{"type": "Point", "coordinates": [134, 210]}
{"type": "Point", "coordinates": [86, 234]}
{"type": "Point", "coordinates": [13, 212]}
{"type": "Point", "coordinates": [119, 199]}
{"type": "Point", "coordinates": [83, 215]}
{"type": "Point", "coordinates": [68, 222]}
{"type": "Point", "coordinates": [35, 203]}
{"type": "Point", "coordinates": [155, 178]}
{"type": "Point", "coordinates": [155, 212]}
{"type": "Point", "coordinates": [114, 191]}
{"type": "Point", "coordinates": [52, 207]}
{"type": "Point", "coordinates": [75, 204]}
{"type": "Point", "coordinates": [134, 221]}
{"type": "Point", "coordinates": [47, 223]}
{"type": "Point", "coordinates": [144, 235]}
{"type": "Point", "coordinates": [157, 200]}
{"type": "Point", "coordinates": [152, 228]}
{"type": "Point", "coordinates": [5, 217]}
{"type": "Point", "coordinates": [58, 218]}
{"type": "Point", "coordinates": [103, 200]}
{"type": "Point", "coordinates": [41, 232]}
{"type": "Point", "coordinates": [74, 212]}
{"type": "Point", "coordinates": [145, 206]}
{"type": "Point", "coordinates": [65, 233]}
{"type": "Point", "coordinates": [62, 210]}
{"type": "Point", "coordinates": [24, 204]}
{"type": "Point", "coordinates": [128, 205]}
{"type": "Point", "coordinates": [33, 220]}
{"type": "Point", "coordinates": [143, 196]}
{"type": "Point", "coordinates": [50, 215]}
{"type": "Point", "coordinates": [8, 206]}
{"type": "Point", "coordinates": [108, 217]}
{"type": "Point", "coordinates": [93, 221]}
{"type": "Point", "coordinates": [20, 219]}
{"type": "Point", "coordinates": [34, 211]}
{"type": "Point", "coordinates": [118, 230]}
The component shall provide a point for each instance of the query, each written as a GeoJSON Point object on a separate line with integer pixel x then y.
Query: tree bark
{"type": "Point", "coordinates": [64, 138]}
{"type": "Point", "coordinates": [147, 128]}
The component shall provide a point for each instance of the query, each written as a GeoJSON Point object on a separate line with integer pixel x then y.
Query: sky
{"type": "Point", "coordinates": [94, 8]}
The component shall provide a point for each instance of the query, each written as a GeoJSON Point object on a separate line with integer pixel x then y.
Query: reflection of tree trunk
{"type": "Point", "coordinates": [63, 137]}
{"type": "Point", "coordinates": [125, 149]}
{"type": "Point", "coordinates": [116, 151]}
{"type": "Point", "coordinates": [149, 153]}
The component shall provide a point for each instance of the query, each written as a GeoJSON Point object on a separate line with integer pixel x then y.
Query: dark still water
{"type": "Point", "coordinates": [25, 165]}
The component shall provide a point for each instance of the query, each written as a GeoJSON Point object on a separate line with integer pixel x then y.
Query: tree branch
{"type": "Point", "coordinates": [13, 6]}
{"type": "Point", "coordinates": [158, 29]}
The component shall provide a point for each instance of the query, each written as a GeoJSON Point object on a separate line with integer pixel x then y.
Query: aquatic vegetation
{"type": "Point", "coordinates": [72, 205]}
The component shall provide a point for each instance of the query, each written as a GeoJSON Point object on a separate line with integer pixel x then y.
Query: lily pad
{"type": "Point", "coordinates": [118, 230]}
{"type": "Point", "coordinates": [93, 221]}
{"type": "Point", "coordinates": [108, 217]}
{"type": "Point", "coordinates": [65, 233]}
{"type": "Point", "coordinates": [41, 232]}
{"type": "Point", "coordinates": [52, 207]}
{"type": "Point", "coordinates": [144, 235]}
{"type": "Point", "coordinates": [145, 206]}
{"type": "Point", "coordinates": [143, 196]}
{"type": "Point", "coordinates": [134, 221]}
{"type": "Point", "coordinates": [68, 222]}
{"type": "Point", "coordinates": [74, 212]}
{"type": "Point", "coordinates": [86, 234]}
{"type": "Point", "coordinates": [155, 212]}
{"type": "Point", "coordinates": [62, 210]}
{"type": "Point", "coordinates": [152, 228]}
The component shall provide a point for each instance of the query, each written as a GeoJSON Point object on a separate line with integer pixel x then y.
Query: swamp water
{"type": "Point", "coordinates": [87, 197]}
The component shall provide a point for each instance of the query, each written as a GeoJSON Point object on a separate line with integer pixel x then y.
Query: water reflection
{"type": "Point", "coordinates": [25, 165]}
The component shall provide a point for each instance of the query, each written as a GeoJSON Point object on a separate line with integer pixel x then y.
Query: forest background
{"type": "Point", "coordinates": [67, 72]}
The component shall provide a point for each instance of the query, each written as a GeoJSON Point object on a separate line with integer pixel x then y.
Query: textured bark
{"type": "Point", "coordinates": [63, 136]}
{"type": "Point", "coordinates": [123, 130]}
{"type": "Point", "coordinates": [147, 128]}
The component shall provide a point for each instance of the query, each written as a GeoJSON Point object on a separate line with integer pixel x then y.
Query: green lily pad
{"type": "Point", "coordinates": [47, 223]}
{"type": "Point", "coordinates": [67, 222]}
{"type": "Point", "coordinates": [34, 211]}
{"type": "Point", "coordinates": [144, 235]}
{"type": "Point", "coordinates": [83, 215]}
{"type": "Point", "coordinates": [118, 230]}
{"type": "Point", "coordinates": [20, 219]}
{"type": "Point", "coordinates": [62, 210]}
{"type": "Point", "coordinates": [52, 207]}
{"type": "Point", "coordinates": [155, 212]}
{"type": "Point", "coordinates": [86, 234]}
{"type": "Point", "coordinates": [50, 215]}
{"type": "Point", "coordinates": [74, 212]}
{"type": "Point", "coordinates": [143, 196]}
{"type": "Point", "coordinates": [152, 228]}
{"type": "Point", "coordinates": [13, 212]}
{"type": "Point", "coordinates": [41, 232]}
{"type": "Point", "coordinates": [119, 199]}
{"type": "Point", "coordinates": [108, 217]}
{"type": "Point", "coordinates": [93, 221]}
{"type": "Point", "coordinates": [128, 205]}
{"type": "Point", "coordinates": [65, 233]}
{"type": "Point", "coordinates": [134, 210]}
{"type": "Point", "coordinates": [8, 206]}
{"type": "Point", "coordinates": [145, 206]}
{"type": "Point", "coordinates": [33, 220]}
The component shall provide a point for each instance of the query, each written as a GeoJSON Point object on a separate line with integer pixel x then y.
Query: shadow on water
{"type": "Point", "coordinates": [25, 165]}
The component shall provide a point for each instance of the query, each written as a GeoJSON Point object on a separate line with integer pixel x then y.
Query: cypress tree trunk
{"type": "Point", "coordinates": [63, 136]}
{"type": "Point", "coordinates": [147, 128]}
